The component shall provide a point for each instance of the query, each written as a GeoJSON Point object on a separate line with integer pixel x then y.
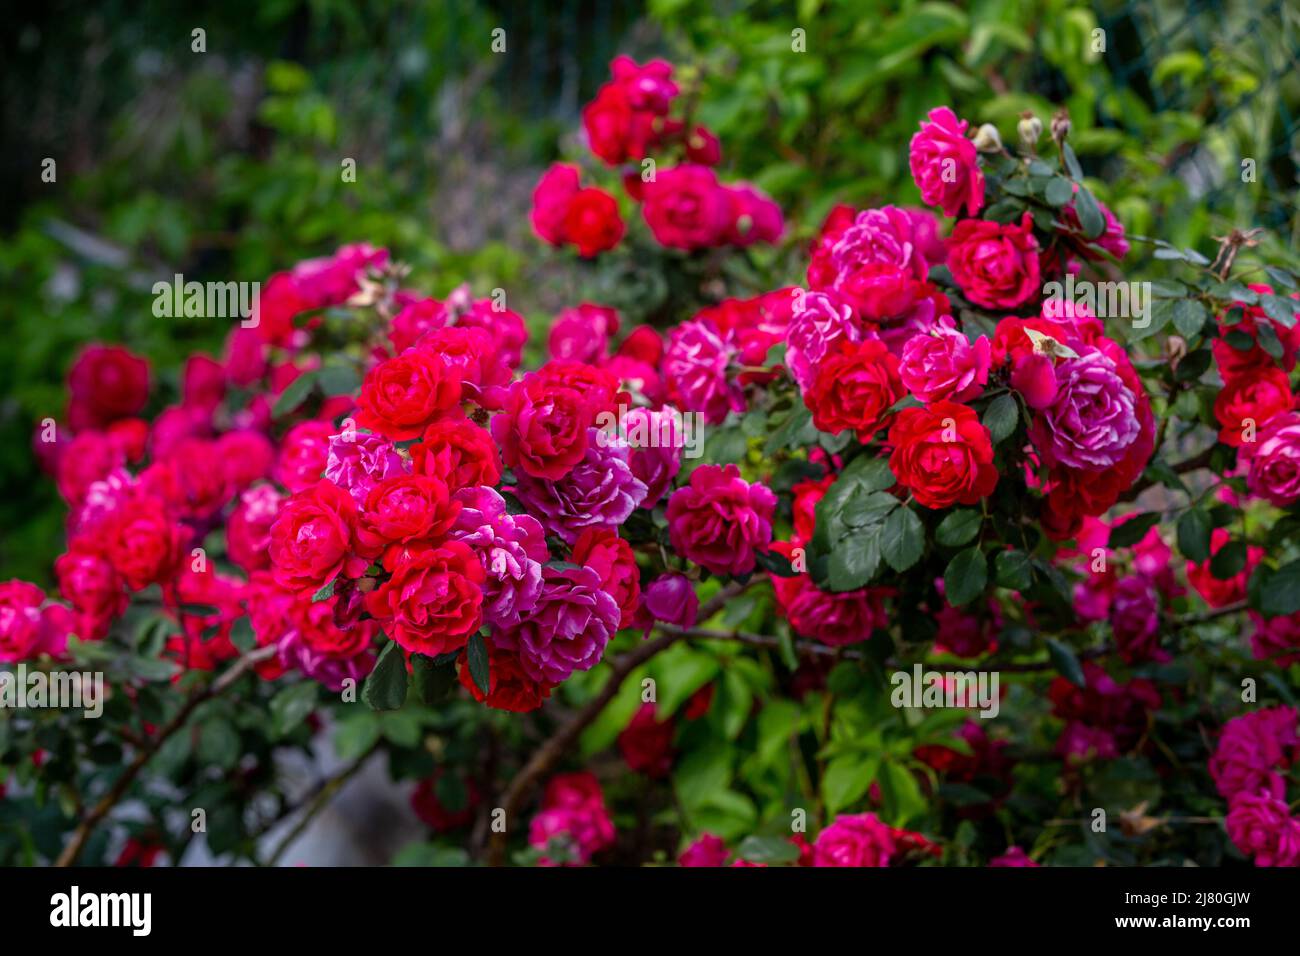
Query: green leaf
{"type": "Point", "coordinates": [958, 527]}
{"type": "Point", "coordinates": [1013, 570]}
{"type": "Point", "coordinates": [433, 680]}
{"type": "Point", "coordinates": [325, 593]}
{"type": "Point", "coordinates": [847, 778]}
{"type": "Point", "coordinates": [965, 577]}
{"type": "Point", "coordinates": [291, 706]}
{"type": "Point", "coordinates": [479, 669]}
{"type": "Point", "coordinates": [1066, 662]}
{"type": "Point", "coordinates": [385, 688]}
{"type": "Point", "coordinates": [767, 849]}
{"type": "Point", "coordinates": [1001, 417]}
{"type": "Point", "coordinates": [1229, 560]}
{"type": "Point", "coordinates": [1189, 317]}
{"type": "Point", "coordinates": [1090, 216]}
{"type": "Point", "coordinates": [854, 562]}
{"type": "Point", "coordinates": [1194, 530]}
{"type": "Point", "coordinates": [339, 379]}
{"type": "Point", "coordinates": [901, 794]}
{"type": "Point", "coordinates": [903, 539]}
{"type": "Point", "coordinates": [295, 394]}
{"type": "Point", "coordinates": [1132, 531]}
{"type": "Point", "coordinates": [218, 743]}
{"type": "Point", "coordinates": [1280, 309]}
{"type": "Point", "coordinates": [1058, 191]}
{"type": "Point", "coordinates": [1072, 163]}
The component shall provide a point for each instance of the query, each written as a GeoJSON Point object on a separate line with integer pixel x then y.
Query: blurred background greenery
{"type": "Point", "coordinates": [225, 164]}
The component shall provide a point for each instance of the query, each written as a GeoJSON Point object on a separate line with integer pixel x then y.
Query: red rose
{"type": "Point", "coordinates": [401, 396]}
{"type": "Point", "coordinates": [1249, 400]}
{"type": "Point", "coordinates": [93, 588]}
{"type": "Point", "coordinates": [433, 601]}
{"type": "Point", "coordinates": [602, 550]}
{"type": "Point", "coordinates": [405, 509]}
{"type": "Point", "coordinates": [608, 120]}
{"type": "Point", "coordinates": [1219, 592]}
{"type": "Point", "coordinates": [459, 452]}
{"type": "Point", "coordinates": [107, 383]}
{"type": "Point", "coordinates": [855, 387]}
{"type": "Point", "coordinates": [686, 208]}
{"type": "Point", "coordinates": [592, 222]}
{"type": "Point", "coordinates": [509, 688]}
{"type": "Point", "coordinates": [444, 806]}
{"type": "Point", "coordinates": [942, 454]}
{"type": "Point", "coordinates": [598, 386]}
{"type": "Point", "coordinates": [143, 542]}
{"type": "Point", "coordinates": [543, 428]}
{"type": "Point", "coordinates": [647, 744]}
{"type": "Point", "coordinates": [313, 539]}
{"type": "Point", "coordinates": [995, 264]}
{"type": "Point", "coordinates": [551, 201]}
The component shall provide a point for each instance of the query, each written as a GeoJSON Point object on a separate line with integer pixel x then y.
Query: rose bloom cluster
{"type": "Point", "coordinates": [146, 487]}
{"type": "Point", "coordinates": [1248, 766]}
{"type": "Point", "coordinates": [685, 206]}
{"type": "Point", "coordinates": [852, 840]}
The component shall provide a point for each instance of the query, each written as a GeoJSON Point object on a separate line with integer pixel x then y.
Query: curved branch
{"type": "Point", "coordinates": [558, 744]}
{"type": "Point", "coordinates": [123, 783]}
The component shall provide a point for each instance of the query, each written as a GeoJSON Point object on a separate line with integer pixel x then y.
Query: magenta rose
{"type": "Point", "coordinates": [945, 164]}
{"type": "Point", "coordinates": [695, 365]}
{"type": "Point", "coordinates": [995, 264]}
{"type": "Point", "coordinates": [357, 461]}
{"type": "Point", "coordinates": [814, 330]}
{"type": "Point", "coordinates": [719, 520]}
{"type": "Point", "coordinates": [855, 840]}
{"type": "Point", "coordinates": [27, 627]}
{"type": "Point", "coordinates": [686, 208]}
{"type": "Point", "coordinates": [551, 198]}
{"type": "Point", "coordinates": [1261, 825]}
{"type": "Point", "coordinates": [1275, 466]}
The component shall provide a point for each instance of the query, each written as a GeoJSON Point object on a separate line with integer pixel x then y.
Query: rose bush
{"type": "Point", "coordinates": [371, 513]}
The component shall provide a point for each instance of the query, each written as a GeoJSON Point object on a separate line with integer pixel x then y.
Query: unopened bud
{"type": "Point", "coordinates": [1175, 350]}
{"type": "Point", "coordinates": [1030, 129]}
{"type": "Point", "coordinates": [987, 139]}
{"type": "Point", "coordinates": [1060, 125]}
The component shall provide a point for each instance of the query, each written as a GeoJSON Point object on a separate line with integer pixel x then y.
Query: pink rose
{"type": "Point", "coordinates": [945, 164]}
{"type": "Point", "coordinates": [719, 520]}
{"type": "Point", "coordinates": [551, 198]}
{"type": "Point", "coordinates": [1275, 466]}
{"type": "Point", "coordinates": [945, 364]}
{"type": "Point", "coordinates": [695, 366]}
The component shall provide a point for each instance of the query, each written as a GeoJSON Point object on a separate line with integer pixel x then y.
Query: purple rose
{"type": "Point", "coordinates": [359, 460]}
{"type": "Point", "coordinates": [296, 653]}
{"type": "Point", "coordinates": [669, 599]}
{"type": "Point", "coordinates": [1093, 419]}
{"type": "Point", "coordinates": [695, 366]}
{"type": "Point", "coordinates": [567, 629]}
{"type": "Point", "coordinates": [598, 492]}
{"type": "Point", "coordinates": [512, 548]}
